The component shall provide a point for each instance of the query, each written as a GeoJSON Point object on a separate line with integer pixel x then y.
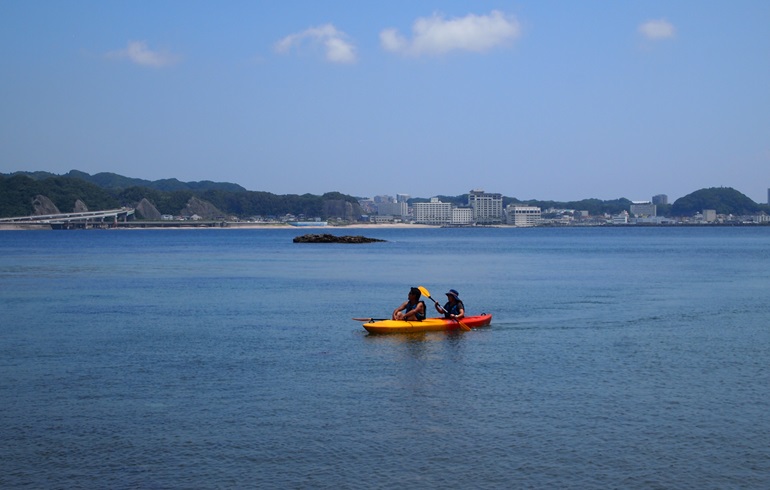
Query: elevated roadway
{"type": "Point", "coordinates": [86, 219]}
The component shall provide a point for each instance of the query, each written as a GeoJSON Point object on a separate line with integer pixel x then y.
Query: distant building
{"type": "Point", "coordinates": [393, 209]}
{"type": "Point", "coordinates": [660, 200]}
{"type": "Point", "coordinates": [487, 207]}
{"type": "Point", "coordinates": [620, 219]}
{"type": "Point", "coordinates": [709, 215]}
{"type": "Point", "coordinates": [434, 212]}
{"type": "Point", "coordinates": [403, 197]}
{"type": "Point", "coordinates": [519, 215]}
{"type": "Point", "coordinates": [642, 209]}
{"type": "Point", "coordinates": [462, 216]}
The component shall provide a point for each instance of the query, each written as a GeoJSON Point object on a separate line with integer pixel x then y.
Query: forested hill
{"type": "Point", "coordinates": [19, 192]}
{"type": "Point", "coordinates": [724, 200]}
{"type": "Point", "coordinates": [115, 182]}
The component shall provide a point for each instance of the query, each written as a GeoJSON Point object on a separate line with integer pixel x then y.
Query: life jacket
{"type": "Point", "coordinates": [453, 309]}
{"type": "Point", "coordinates": [410, 307]}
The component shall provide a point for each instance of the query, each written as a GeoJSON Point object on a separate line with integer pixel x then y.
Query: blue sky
{"type": "Point", "coordinates": [559, 100]}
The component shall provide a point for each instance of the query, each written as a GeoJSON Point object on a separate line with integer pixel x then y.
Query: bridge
{"type": "Point", "coordinates": [85, 219]}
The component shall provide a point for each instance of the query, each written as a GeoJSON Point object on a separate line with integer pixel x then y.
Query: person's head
{"type": "Point", "coordinates": [414, 293]}
{"type": "Point", "coordinates": [453, 296]}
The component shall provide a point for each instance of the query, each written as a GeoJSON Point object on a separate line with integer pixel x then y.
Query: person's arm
{"type": "Point", "coordinates": [395, 315]}
{"type": "Point", "coordinates": [461, 310]}
{"type": "Point", "coordinates": [461, 315]}
{"type": "Point", "coordinates": [420, 309]}
{"type": "Point", "coordinates": [439, 308]}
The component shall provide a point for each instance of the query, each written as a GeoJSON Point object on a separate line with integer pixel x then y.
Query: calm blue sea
{"type": "Point", "coordinates": [617, 358]}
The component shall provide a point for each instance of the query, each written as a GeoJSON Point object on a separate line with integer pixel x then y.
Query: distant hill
{"type": "Point", "coordinates": [107, 180]}
{"type": "Point", "coordinates": [19, 190]}
{"type": "Point", "coordinates": [724, 200]}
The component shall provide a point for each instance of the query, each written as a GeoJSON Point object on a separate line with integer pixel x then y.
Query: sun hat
{"type": "Point", "coordinates": [453, 292]}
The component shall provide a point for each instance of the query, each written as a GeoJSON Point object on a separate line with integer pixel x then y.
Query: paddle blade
{"type": "Point", "coordinates": [426, 293]}
{"type": "Point", "coordinates": [464, 326]}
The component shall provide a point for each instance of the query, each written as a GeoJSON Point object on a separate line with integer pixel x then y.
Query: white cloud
{"type": "Point", "coordinates": [334, 42]}
{"type": "Point", "coordinates": [138, 52]}
{"type": "Point", "coordinates": [436, 35]}
{"type": "Point", "coordinates": [657, 29]}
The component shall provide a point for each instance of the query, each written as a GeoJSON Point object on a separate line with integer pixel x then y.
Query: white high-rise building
{"type": "Point", "coordinates": [462, 216]}
{"type": "Point", "coordinates": [487, 207]}
{"type": "Point", "coordinates": [643, 209]}
{"type": "Point", "coordinates": [434, 212]}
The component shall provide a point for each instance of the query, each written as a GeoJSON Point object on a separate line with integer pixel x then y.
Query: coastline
{"type": "Point", "coordinates": [227, 226]}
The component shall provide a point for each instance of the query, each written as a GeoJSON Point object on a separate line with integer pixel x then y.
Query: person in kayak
{"type": "Point", "coordinates": [453, 308]}
{"type": "Point", "coordinates": [412, 309]}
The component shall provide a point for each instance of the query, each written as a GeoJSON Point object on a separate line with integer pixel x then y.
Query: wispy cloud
{"type": "Point", "coordinates": [436, 35]}
{"type": "Point", "coordinates": [656, 30]}
{"type": "Point", "coordinates": [138, 52]}
{"type": "Point", "coordinates": [337, 48]}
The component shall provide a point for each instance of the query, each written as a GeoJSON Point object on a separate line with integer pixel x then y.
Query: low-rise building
{"type": "Point", "coordinates": [620, 219]}
{"type": "Point", "coordinates": [520, 215]}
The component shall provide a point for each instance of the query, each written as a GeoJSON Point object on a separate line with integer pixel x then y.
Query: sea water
{"type": "Point", "coordinates": [617, 358]}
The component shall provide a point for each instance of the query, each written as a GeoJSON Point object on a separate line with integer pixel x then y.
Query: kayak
{"type": "Point", "coordinates": [427, 325]}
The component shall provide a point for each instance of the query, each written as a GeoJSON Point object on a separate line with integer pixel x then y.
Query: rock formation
{"type": "Point", "coordinates": [146, 210]}
{"type": "Point", "coordinates": [80, 207]}
{"type": "Point", "coordinates": [202, 208]}
{"type": "Point", "coordinates": [341, 209]}
{"type": "Point", "coordinates": [329, 238]}
{"type": "Point", "coordinates": [43, 206]}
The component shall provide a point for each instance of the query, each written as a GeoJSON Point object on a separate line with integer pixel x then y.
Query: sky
{"type": "Point", "coordinates": [533, 99]}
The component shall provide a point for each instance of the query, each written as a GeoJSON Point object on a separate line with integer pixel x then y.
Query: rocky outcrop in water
{"type": "Point", "coordinates": [329, 238]}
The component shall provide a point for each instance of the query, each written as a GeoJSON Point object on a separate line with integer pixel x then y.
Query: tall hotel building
{"type": "Point", "coordinates": [434, 212]}
{"type": "Point", "coordinates": [487, 208]}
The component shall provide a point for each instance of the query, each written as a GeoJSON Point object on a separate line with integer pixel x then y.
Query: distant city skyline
{"type": "Point", "coordinates": [538, 100]}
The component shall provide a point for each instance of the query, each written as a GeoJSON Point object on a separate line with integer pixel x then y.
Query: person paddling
{"type": "Point", "coordinates": [412, 309]}
{"type": "Point", "coordinates": [453, 308]}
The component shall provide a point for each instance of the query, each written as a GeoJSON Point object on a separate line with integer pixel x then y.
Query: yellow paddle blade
{"type": "Point", "coordinates": [424, 291]}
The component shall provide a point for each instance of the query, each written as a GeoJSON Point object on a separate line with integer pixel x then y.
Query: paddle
{"type": "Point", "coordinates": [426, 293]}
{"type": "Point", "coordinates": [370, 319]}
